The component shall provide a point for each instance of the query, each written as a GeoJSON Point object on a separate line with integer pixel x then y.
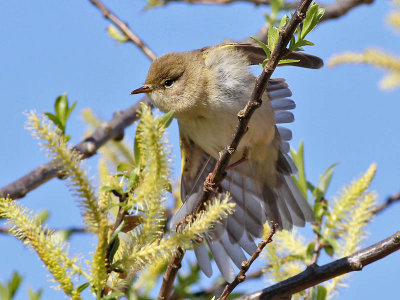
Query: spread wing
{"type": "Point", "coordinates": [254, 206]}
{"type": "Point", "coordinates": [256, 55]}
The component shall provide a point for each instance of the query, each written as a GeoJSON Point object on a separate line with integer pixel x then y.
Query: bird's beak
{"type": "Point", "coordinates": [144, 89]}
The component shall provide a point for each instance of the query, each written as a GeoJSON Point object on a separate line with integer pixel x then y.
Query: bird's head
{"type": "Point", "coordinates": [173, 82]}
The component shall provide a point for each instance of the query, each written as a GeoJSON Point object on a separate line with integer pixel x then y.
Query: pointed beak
{"type": "Point", "coordinates": [144, 89]}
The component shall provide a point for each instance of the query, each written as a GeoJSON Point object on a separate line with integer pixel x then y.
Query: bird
{"type": "Point", "coordinates": [207, 88]}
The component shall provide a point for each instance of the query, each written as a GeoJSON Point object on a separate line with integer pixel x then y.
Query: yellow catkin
{"type": "Point", "coordinates": [69, 158]}
{"type": "Point", "coordinates": [48, 247]}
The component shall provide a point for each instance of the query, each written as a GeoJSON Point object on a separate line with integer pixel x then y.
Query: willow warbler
{"type": "Point", "coordinates": [206, 88]}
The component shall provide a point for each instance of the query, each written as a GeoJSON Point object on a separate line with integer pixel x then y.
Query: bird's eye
{"type": "Point", "coordinates": [168, 82]}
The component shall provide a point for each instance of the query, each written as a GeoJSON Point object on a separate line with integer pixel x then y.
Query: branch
{"type": "Point", "coordinates": [389, 201]}
{"type": "Point", "coordinates": [218, 287]}
{"type": "Point", "coordinates": [315, 274]}
{"type": "Point", "coordinates": [109, 130]}
{"type": "Point", "coordinates": [246, 265]}
{"type": "Point", "coordinates": [218, 174]}
{"type": "Point", "coordinates": [341, 7]}
{"type": "Point", "coordinates": [123, 26]}
{"type": "Point", "coordinates": [332, 11]}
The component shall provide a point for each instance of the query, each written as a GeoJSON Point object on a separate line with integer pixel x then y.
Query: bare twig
{"type": "Point", "coordinates": [219, 286]}
{"type": "Point", "coordinates": [170, 274]}
{"type": "Point", "coordinates": [341, 7]}
{"type": "Point", "coordinates": [288, 5]}
{"type": "Point", "coordinates": [246, 265]}
{"type": "Point", "coordinates": [317, 232]}
{"type": "Point", "coordinates": [389, 201]}
{"type": "Point", "coordinates": [88, 147]}
{"type": "Point", "coordinates": [332, 11]}
{"type": "Point", "coordinates": [315, 274]}
{"type": "Point", "coordinates": [218, 174]}
{"type": "Point", "coordinates": [125, 29]}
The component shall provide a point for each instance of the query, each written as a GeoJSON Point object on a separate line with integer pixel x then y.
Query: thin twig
{"type": "Point", "coordinates": [246, 265]}
{"type": "Point", "coordinates": [315, 274]}
{"type": "Point", "coordinates": [133, 37]}
{"type": "Point", "coordinates": [389, 201]}
{"type": "Point", "coordinates": [170, 274]}
{"type": "Point", "coordinates": [219, 286]}
{"type": "Point", "coordinates": [341, 7]}
{"type": "Point", "coordinates": [318, 246]}
{"type": "Point", "coordinates": [218, 174]}
{"type": "Point", "coordinates": [332, 11]}
{"type": "Point", "coordinates": [288, 5]}
{"type": "Point", "coordinates": [88, 147]}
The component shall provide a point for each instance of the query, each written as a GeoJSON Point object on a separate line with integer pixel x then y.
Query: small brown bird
{"type": "Point", "coordinates": [207, 88]}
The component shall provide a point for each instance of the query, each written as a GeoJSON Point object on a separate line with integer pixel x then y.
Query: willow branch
{"type": "Point", "coordinates": [341, 7]}
{"type": "Point", "coordinates": [315, 274]}
{"type": "Point", "coordinates": [218, 174]}
{"type": "Point", "coordinates": [123, 26]}
{"type": "Point", "coordinates": [113, 129]}
{"type": "Point", "coordinates": [247, 264]}
{"type": "Point", "coordinates": [389, 201]}
{"type": "Point", "coordinates": [332, 11]}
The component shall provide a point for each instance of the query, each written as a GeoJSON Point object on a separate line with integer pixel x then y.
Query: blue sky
{"type": "Point", "coordinates": [54, 47]}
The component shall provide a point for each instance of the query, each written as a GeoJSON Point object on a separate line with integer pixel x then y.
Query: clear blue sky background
{"type": "Point", "coordinates": [51, 47]}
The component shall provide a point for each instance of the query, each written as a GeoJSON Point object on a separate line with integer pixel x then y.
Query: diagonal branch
{"type": "Point", "coordinates": [315, 274]}
{"type": "Point", "coordinates": [246, 264]}
{"type": "Point", "coordinates": [109, 130]}
{"type": "Point", "coordinates": [218, 174]}
{"type": "Point", "coordinates": [125, 29]}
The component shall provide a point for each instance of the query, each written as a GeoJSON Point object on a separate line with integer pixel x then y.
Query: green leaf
{"type": "Point", "coordinates": [301, 43]}
{"type": "Point", "coordinates": [319, 210]}
{"type": "Point", "coordinates": [310, 251]}
{"type": "Point", "coordinates": [4, 294]}
{"type": "Point", "coordinates": [263, 46]}
{"type": "Point", "coordinates": [70, 109]}
{"type": "Point", "coordinates": [288, 61]}
{"type": "Point", "coordinates": [321, 292]}
{"type": "Point", "coordinates": [292, 44]}
{"type": "Point", "coordinates": [133, 179]}
{"type": "Point", "coordinates": [56, 121]}
{"type": "Point", "coordinates": [276, 6]}
{"type": "Point", "coordinates": [326, 177]}
{"type": "Point", "coordinates": [63, 235]}
{"type": "Point", "coordinates": [166, 119]}
{"type": "Point", "coordinates": [114, 295]}
{"type": "Point", "coordinates": [298, 159]}
{"type": "Point", "coordinates": [310, 186]}
{"type": "Point", "coordinates": [329, 250]}
{"type": "Point", "coordinates": [314, 15]}
{"type": "Point", "coordinates": [285, 19]}
{"type": "Point", "coordinates": [125, 167]}
{"type": "Point", "coordinates": [61, 108]}
{"type": "Point", "coordinates": [331, 242]}
{"type": "Point", "coordinates": [117, 35]}
{"type": "Point", "coordinates": [83, 286]}
{"type": "Point", "coordinates": [273, 36]}
{"type": "Point", "coordinates": [114, 248]}
{"type": "Point", "coordinates": [32, 295]}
